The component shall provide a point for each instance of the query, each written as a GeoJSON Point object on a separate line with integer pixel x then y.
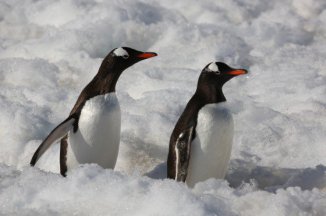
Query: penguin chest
{"type": "Point", "coordinates": [98, 135]}
{"type": "Point", "coordinates": [211, 148]}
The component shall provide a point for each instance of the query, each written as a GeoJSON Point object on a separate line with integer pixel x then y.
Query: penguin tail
{"type": "Point", "coordinates": [60, 131]}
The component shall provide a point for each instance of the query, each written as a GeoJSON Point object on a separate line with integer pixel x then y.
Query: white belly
{"type": "Point", "coordinates": [211, 149]}
{"type": "Point", "coordinates": [98, 136]}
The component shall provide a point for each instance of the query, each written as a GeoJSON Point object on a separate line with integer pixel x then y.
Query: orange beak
{"type": "Point", "coordinates": [237, 72]}
{"type": "Point", "coordinates": [146, 55]}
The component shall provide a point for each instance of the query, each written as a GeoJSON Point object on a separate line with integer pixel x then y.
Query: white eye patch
{"type": "Point", "coordinates": [121, 52]}
{"type": "Point", "coordinates": [213, 67]}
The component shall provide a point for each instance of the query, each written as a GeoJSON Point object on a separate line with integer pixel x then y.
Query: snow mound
{"type": "Point", "coordinates": [91, 190]}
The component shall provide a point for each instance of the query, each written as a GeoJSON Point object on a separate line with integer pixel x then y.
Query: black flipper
{"type": "Point", "coordinates": [182, 151]}
{"type": "Point", "coordinates": [63, 155]}
{"type": "Point", "coordinates": [57, 133]}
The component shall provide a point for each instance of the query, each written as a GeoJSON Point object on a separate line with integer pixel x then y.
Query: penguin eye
{"type": "Point", "coordinates": [125, 56]}
{"type": "Point", "coordinates": [217, 72]}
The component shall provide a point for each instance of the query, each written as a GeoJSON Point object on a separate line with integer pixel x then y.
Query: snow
{"type": "Point", "coordinates": [49, 50]}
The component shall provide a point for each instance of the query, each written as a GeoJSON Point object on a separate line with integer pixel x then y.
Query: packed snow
{"type": "Point", "coordinates": [49, 50]}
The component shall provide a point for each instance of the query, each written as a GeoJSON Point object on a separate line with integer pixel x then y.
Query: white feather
{"type": "Point", "coordinates": [177, 162]}
{"type": "Point", "coordinates": [98, 136]}
{"type": "Point", "coordinates": [120, 52]}
{"type": "Point", "coordinates": [211, 149]}
{"type": "Point", "coordinates": [213, 67]}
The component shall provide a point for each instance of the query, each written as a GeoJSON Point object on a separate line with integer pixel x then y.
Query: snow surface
{"type": "Point", "coordinates": [49, 50]}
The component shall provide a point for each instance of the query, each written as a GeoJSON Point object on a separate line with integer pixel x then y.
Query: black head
{"type": "Point", "coordinates": [218, 73]}
{"type": "Point", "coordinates": [213, 77]}
{"type": "Point", "coordinates": [123, 57]}
{"type": "Point", "coordinates": [114, 64]}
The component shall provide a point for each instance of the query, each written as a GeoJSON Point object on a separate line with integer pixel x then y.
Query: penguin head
{"type": "Point", "coordinates": [218, 73]}
{"type": "Point", "coordinates": [123, 57]}
{"type": "Point", "coordinates": [115, 63]}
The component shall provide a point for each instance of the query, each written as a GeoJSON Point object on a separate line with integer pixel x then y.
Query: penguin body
{"type": "Point", "coordinates": [211, 148]}
{"type": "Point", "coordinates": [201, 142]}
{"type": "Point", "coordinates": [91, 133]}
{"type": "Point", "coordinates": [98, 136]}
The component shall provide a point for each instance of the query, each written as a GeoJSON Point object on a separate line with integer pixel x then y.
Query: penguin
{"type": "Point", "coordinates": [201, 142]}
{"type": "Point", "coordinates": [91, 133]}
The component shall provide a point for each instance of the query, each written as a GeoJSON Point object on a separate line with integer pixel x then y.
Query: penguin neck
{"type": "Point", "coordinates": [210, 94]}
{"type": "Point", "coordinates": [198, 101]}
{"type": "Point", "coordinates": [106, 79]}
{"type": "Point", "coordinates": [107, 83]}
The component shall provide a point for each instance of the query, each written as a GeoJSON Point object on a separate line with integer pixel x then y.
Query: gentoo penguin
{"type": "Point", "coordinates": [200, 144]}
{"type": "Point", "coordinates": [91, 133]}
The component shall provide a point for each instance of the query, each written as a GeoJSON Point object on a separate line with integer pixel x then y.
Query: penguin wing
{"type": "Point", "coordinates": [57, 133]}
{"type": "Point", "coordinates": [182, 151]}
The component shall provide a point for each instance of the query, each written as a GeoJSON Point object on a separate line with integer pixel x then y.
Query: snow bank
{"type": "Point", "coordinates": [49, 50]}
{"type": "Point", "coordinates": [91, 190]}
